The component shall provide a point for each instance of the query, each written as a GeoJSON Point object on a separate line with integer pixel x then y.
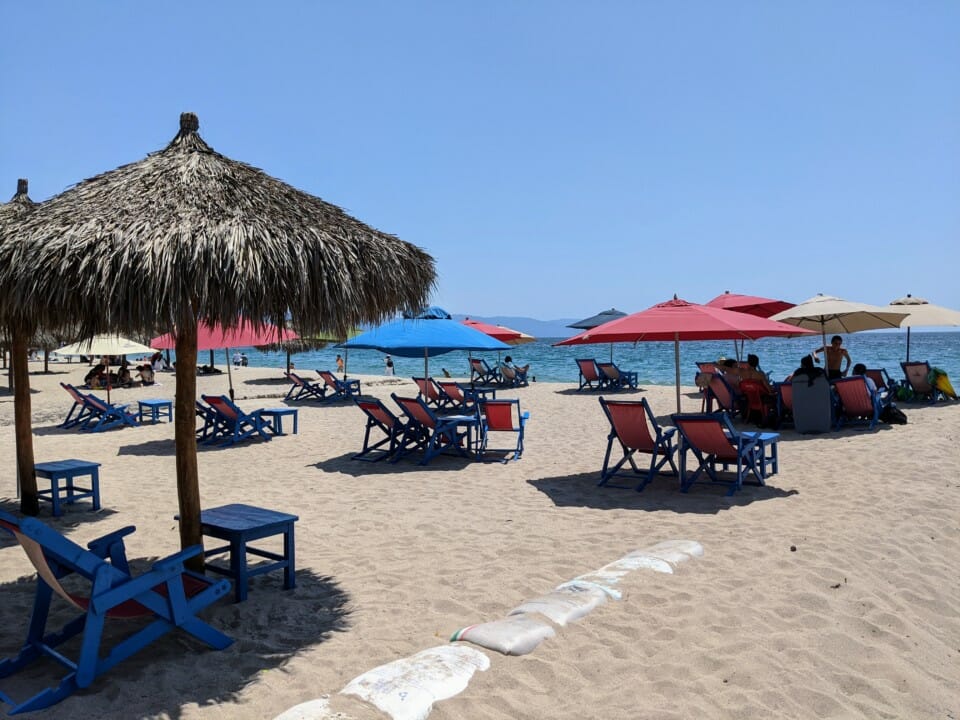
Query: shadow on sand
{"type": "Point", "coordinates": [357, 468]}
{"type": "Point", "coordinates": [662, 494]}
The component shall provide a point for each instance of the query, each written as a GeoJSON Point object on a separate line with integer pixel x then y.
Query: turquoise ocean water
{"type": "Point", "coordinates": [653, 361]}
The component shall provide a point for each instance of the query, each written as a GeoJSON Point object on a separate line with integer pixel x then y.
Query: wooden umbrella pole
{"type": "Point", "coordinates": [26, 472]}
{"type": "Point", "coordinates": [676, 362]}
{"type": "Point", "coordinates": [185, 437]}
{"type": "Point", "coordinates": [226, 354]}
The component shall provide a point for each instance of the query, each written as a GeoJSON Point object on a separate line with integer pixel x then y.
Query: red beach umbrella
{"type": "Point", "coordinates": [499, 332]}
{"type": "Point", "coordinates": [678, 320]}
{"type": "Point", "coordinates": [750, 304]}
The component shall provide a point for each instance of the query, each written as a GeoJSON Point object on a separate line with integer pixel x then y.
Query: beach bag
{"type": "Point", "coordinates": [893, 415]}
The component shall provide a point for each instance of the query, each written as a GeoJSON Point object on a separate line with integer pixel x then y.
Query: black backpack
{"type": "Point", "coordinates": [893, 415]}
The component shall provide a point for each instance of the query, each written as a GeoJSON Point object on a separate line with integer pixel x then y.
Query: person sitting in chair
{"type": "Point", "coordinates": [806, 370]}
{"type": "Point", "coordinates": [520, 370]}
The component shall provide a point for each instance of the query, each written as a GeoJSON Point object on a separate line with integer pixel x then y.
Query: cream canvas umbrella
{"type": "Point", "coordinates": [923, 314]}
{"type": "Point", "coordinates": [187, 235]}
{"type": "Point", "coordinates": [105, 345]}
{"type": "Point", "coordinates": [828, 314]}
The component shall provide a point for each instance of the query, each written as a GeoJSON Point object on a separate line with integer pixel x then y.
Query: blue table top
{"type": "Point", "coordinates": [155, 401]}
{"type": "Point", "coordinates": [239, 517]}
{"type": "Point", "coordinates": [61, 465]}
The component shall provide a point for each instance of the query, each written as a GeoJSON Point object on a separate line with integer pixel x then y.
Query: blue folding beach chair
{"type": "Point", "coordinates": [717, 446]}
{"type": "Point", "coordinates": [233, 424]}
{"type": "Point", "coordinates": [303, 389]}
{"type": "Point", "coordinates": [168, 594]}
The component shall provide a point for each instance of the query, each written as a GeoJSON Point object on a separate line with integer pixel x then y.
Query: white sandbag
{"type": "Point", "coordinates": [673, 552]}
{"type": "Point", "coordinates": [406, 689]}
{"type": "Point", "coordinates": [640, 562]}
{"type": "Point", "coordinates": [514, 635]}
{"type": "Point", "coordinates": [318, 709]}
{"type": "Point", "coordinates": [582, 583]}
{"type": "Point", "coordinates": [566, 605]}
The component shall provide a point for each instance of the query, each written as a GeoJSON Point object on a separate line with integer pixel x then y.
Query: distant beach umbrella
{"type": "Point", "coordinates": [750, 304]}
{"type": "Point", "coordinates": [923, 314]}
{"type": "Point", "coordinates": [597, 320]}
{"type": "Point", "coordinates": [20, 329]}
{"type": "Point", "coordinates": [678, 320]}
{"type": "Point", "coordinates": [828, 314]}
{"type": "Point", "coordinates": [429, 332]}
{"type": "Point", "coordinates": [187, 235]}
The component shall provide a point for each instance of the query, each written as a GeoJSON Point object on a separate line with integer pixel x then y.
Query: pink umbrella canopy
{"type": "Point", "coordinates": [678, 320]}
{"type": "Point", "coordinates": [499, 332]}
{"type": "Point", "coordinates": [750, 304]}
{"type": "Point", "coordinates": [214, 337]}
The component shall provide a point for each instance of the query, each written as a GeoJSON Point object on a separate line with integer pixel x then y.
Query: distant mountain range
{"type": "Point", "coordinates": [531, 326]}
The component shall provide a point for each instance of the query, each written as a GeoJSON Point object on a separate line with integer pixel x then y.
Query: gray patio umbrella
{"type": "Point", "coordinates": [923, 314]}
{"type": "Point", "coordinates": [20, 331]}
{"type": "Point", "coordinates": [597, 320]}
{"type": "Point", "coordinates": [187, 235]}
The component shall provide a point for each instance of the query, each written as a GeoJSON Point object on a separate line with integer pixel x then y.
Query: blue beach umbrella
{"type": "Point", "coordinates": [429, 332]}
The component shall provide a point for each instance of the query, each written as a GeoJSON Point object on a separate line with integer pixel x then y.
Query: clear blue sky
{"type": "Point", "coordinates": [556, 158]}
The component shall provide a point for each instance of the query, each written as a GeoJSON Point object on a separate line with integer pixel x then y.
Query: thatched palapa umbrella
{"type": "Point", "coordinates": [20, 330]}
{"type": "Point", "coordinates": [187, 235]}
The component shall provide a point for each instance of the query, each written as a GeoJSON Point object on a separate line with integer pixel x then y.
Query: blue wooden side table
{"type": "Point", "coordinates": [68, 471]}
{"type": "Point", "coordinates": [769, 455]}
{"type": "Point", "coordinates": [241, 524]}
{"type": "Point", "coordinates": [156, 407]}
{"type": "Point", "coordinates": [276, 424]}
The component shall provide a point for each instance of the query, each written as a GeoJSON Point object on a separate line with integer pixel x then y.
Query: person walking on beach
{"type": "Point", "coordinates": [836, 354]}
{"type": "Point", "coordinates": [388, 361]}
{"type": "Point", "coordinates": [339, 364]}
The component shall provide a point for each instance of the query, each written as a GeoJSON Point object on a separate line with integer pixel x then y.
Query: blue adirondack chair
{"type": "Point", "coordinates": [234, 424]}
{"type": "Point", "coordinates": [168, 593]}
{"type": "Point", "coordinates": [635, 429]}
{"type": "Point", "coordinates": [714, 442]}
{"type": "Point", "coordinates": [302, 389]}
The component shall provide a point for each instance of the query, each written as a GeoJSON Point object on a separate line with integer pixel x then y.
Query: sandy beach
{"type": "Point", "coordinates": [833, 592]}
